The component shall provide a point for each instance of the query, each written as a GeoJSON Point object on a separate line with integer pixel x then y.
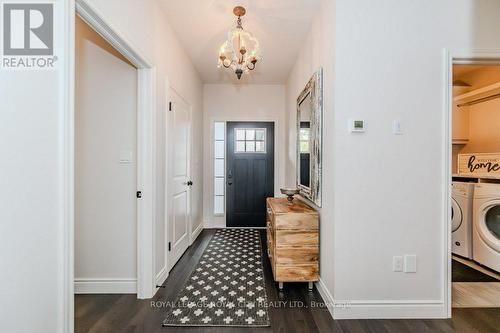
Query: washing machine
{"type": "Point", "coordinates": [462, 197]}
{"type": "Point", "coordinates": [486, 225]}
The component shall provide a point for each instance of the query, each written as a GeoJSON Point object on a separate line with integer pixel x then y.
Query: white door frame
{"type": "Point", "coordinates": [146, 148]}
{"type": "Point", "coordinates": [490, 56]}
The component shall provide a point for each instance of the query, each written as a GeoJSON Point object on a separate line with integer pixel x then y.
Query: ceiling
{"type": "Point", "coordinates": [280, 26]}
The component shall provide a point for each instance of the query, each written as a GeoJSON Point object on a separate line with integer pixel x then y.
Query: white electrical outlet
{"type": "Point", "coordinates": [410, 263]}
{"type": "Point", "coordinates": [397, 263]}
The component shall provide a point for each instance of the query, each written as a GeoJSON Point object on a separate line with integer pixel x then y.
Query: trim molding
{"type": "Point", "coordinates": [326, 295]}
{"type": "Point", "coordinates": [105, 286]}
{"type": "Point", "coordinates": [109, 33]}
{"type": "Point", "coordinates": [390, 309]}
{"type": "Point", "coordinates": [380, 309]}
{"type": "Point", "coordinates": [66, 51]}
{"type": "Point", "coordinates": [161, 276]}
{"type": "Point", "coordinates": [195, 233]}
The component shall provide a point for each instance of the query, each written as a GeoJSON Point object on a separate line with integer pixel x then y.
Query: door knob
{"type": "Point", "coordinates": [189, 183]}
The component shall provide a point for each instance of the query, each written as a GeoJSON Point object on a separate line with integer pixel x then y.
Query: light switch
{"type": "Point", "coordinates": [126, 156]}
{"type": "Point", "coordinates": [410, 264]}
{"type": "Point", "coordinates": [397, 128]}
{"type": "Point", "coordinates": [397, 263]}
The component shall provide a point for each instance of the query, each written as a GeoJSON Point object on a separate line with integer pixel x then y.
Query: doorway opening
{"type": "Point", "coordinates": [105, 166]}
{"type": "Point", "coordinates": [475, 183]}
{"type": "Point", "coordinates": [244, 172]}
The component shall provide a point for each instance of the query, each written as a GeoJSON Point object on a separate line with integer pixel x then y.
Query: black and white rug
{"type": "Point", "coordinates": [227, 286]}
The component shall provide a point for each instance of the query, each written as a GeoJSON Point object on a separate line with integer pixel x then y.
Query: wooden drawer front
{"type": "Point", "coordinates": [296, 256]}
{"type": "Point", "coordinates": [270, 241]}
{"type": "Point", "coordinates": [297, 221]}
{"type": "Point", "coordinates": [296, 273]}
{"type": "Point", "coordinates": [296, 238]}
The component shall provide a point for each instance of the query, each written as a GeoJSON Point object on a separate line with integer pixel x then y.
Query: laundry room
{"type": "Point", "coordinates": [475, 202]}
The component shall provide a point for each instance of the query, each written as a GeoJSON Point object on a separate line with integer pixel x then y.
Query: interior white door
{"type": "Point", "coordinates": [179, 184]}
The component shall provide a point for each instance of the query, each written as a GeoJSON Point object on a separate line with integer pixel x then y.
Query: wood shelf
{"type": "Point", "coordinates": [492, 89]}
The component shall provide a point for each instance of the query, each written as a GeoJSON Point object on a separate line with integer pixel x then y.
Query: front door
{"type": "Point", "coordinates": [178, 167]}
{"type": "Point", "coordinates": [250, 172]}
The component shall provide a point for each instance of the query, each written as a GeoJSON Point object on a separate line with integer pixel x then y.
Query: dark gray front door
{"type": "Point", "coordinates": [250, 172]}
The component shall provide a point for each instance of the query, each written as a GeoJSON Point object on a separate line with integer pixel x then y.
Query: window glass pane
{"type": "Point", "coordinates": [219, 149]}
{"type": "Point", "coordinates": [219, 130]}
{"type": "Point", "coordinates": [240, 134]}
{"type": "Point", "coordinates": [259, 146]}
{"type": "Point", "coordinates": [250, 146]}
{"type": "Point", "coordinates": [304, 146]}
{"type": "Point", "coordinates": [304, 134]}
{"type": "Point", "coordinates": [250, 135]}
{"type": "Point", "coordinates": [259, 135]}
{"type": "Point", "coordinates": [218, 205]}
{"type": "Point", "coordinates": [219, 186]}
{"type": "Point", "coordinates": [240, 146]}
{"type": "Point", "coordinates": [219, 168]}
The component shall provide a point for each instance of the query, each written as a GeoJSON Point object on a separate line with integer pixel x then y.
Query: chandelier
{"type": "Point", "coordinates": [240, 52]}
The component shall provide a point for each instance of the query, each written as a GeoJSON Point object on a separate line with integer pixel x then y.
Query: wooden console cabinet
{"type": "Point", "coordinates": [293, 241]}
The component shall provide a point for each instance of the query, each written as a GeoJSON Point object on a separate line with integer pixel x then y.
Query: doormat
{"type": "Point", "coordinates": [227, 286]}
{"type": "Point", "coordinates": [464, 273]}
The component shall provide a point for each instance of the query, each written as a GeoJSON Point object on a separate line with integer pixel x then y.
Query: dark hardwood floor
{"type": "Point", "coordinates": [125, 313]}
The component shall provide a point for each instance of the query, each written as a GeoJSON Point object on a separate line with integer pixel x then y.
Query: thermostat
{"type": "Point", "coordinates": [356, 125]}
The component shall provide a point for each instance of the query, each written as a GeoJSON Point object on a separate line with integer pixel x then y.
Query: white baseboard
{"type": "Point", "coordinates": [196, 232]}
{"type": "Point", "coordinates": [411, 309]}
{"type": "Point", "coordinates": [161, 276]}
{"type": "Point", "coordinates": [326, 295]}
{"type": "Point", "coordinates": [105, 286]}
{"type": "Point", "coordinates": [381, 309]}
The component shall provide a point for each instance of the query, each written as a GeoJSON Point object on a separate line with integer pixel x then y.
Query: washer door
{"type": "Point", "coordinates": [456, 215]}
{"type": "Point", "coordinates": [489, 225]}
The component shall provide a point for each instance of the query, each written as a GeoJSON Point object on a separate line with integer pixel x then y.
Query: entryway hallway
{"type": "Point", "coordinates": [293, 311]}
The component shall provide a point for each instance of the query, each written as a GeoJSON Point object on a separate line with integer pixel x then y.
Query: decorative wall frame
{"type": "Point", "coordinates": [314, 91]}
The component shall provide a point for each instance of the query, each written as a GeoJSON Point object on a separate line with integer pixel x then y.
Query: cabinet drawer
{"type": "Point", "coordinates": [300, 256]}
{"type": "Point", "coordinates": [296, 273]}
{"type": "Point", "coordinates": [296, 238]}
{"type": "Point", "coordinates": [296, 221]}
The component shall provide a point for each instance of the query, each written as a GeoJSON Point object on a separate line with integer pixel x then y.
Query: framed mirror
{"type": "Point", "coordinates": [309, 138]}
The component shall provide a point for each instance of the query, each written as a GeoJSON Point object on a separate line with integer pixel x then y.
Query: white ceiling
{"type": "Point", "coordinates": [280, 25]}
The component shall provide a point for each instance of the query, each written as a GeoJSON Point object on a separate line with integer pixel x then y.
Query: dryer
{"type": "Point", "coordinates": [462, 197]}
{"type": "Point", "coordinates": [486, 229]}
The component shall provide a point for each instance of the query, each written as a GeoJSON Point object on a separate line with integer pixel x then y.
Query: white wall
{"type": "Point", "coordinates": [384, 194]}
{"type": "Point", "coordinates": [34, 198]}
{"type": "Point", "coordinates": [144, 25]}
{"type": "Point", "coordinates": [32, 211]}
{"type": "Point", "coordinates": [225, 102]}
{"type": "Point", "coordinates": [105, 202]}
{"type": "Point", "coordinates": [317, 51]}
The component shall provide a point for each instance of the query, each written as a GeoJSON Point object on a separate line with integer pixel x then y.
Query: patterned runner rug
{"type": "Point", "coordinates": [227, 286]}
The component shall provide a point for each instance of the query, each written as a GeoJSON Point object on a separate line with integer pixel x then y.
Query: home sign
{"type": "Point", "coordinates": [479, 164]}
